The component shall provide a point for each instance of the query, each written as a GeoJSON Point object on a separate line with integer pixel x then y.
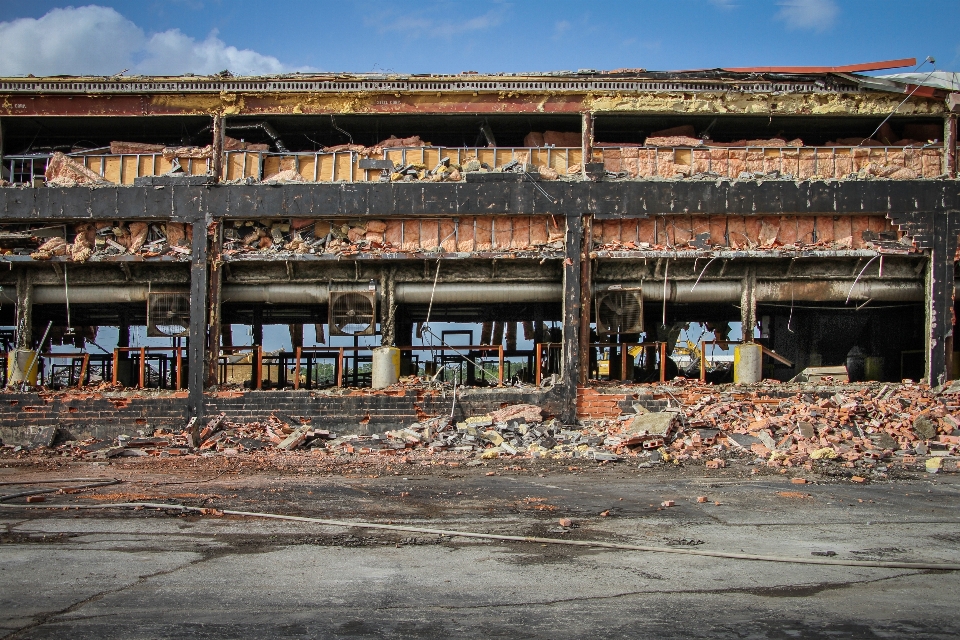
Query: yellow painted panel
{"type": "Point", "coordinates": [487, 155]}
{"type": "Point", "coordinates": [396, 156]}
{"type": "Point", "coordinates": [234, 169]}
{"type": "Point", "coordinates": [344, 160]}
{"type": "Point", "coordinates": [575, 157]}
{"type": "Point", "coordinates": [146, 165]}
{"type": "Point", "coordinates": [129, 169]}
{"type": "Point", "coordinates": [431, 157]}
{"type": "Point", "coordinates": [271, 166]}
{"type": "Point", "coordinates": [307, 165]}
{"type": "Point", "coordinates": [252, 164]}
{"type": "Point", "coordinates": [111, 171]}
{"type": "Point", "coordinates": [683, 156]}
{"type": "Point", "coordinates": [325, 174]}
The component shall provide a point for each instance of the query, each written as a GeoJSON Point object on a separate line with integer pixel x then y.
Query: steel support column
{"type": "Point", "coordinates": [586, 287]}
{"type": "Point", "coordinates": [24, 337]}
{"type": "Point", "coordinates": [215, 275]}
{"type": "Point", "coordinates": [197, 347]}
{"type": "Point", "coordinates": [571, 318]}
{"type": "Point", "coordinates": [217, 161]}
{"type": "Point", "coordinates": [950, 145]}
{"type": "Point", "coordinates": [748, 303]}
{"type": "Point", "coordinates": [940, 295]}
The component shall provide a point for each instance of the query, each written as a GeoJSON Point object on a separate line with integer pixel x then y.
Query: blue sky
{"type": "Point", "coordinates": [447, 36]}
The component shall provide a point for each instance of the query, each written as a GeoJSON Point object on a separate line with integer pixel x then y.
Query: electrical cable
{"type": "Point", "coordinates": [909, 95]}
{"type": "Point", "coordinates": [453, 533]}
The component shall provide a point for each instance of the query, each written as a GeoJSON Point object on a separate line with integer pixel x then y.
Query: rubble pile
{"type": "Point", "coordinates": [103, 240]}
{"type": "Point", "coordinates": [867, 428]}
{"type": "Point", "coordinates": [344, 238]}
{"type": "Point", "coordinates": [784, 233]}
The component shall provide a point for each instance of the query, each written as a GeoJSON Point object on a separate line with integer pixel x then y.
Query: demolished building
{"type": "Point", "coordinates": [569, 224]}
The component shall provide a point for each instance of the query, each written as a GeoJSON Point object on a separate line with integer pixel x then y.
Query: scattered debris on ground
{"type": "Point", "coordinates": [860, 431]}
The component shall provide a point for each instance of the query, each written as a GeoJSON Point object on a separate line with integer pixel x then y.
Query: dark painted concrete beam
{"type": "Point", "coordinates": [604, 199]}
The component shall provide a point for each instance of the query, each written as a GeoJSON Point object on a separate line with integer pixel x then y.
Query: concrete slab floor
{"type": "Point", "coordinates": [156, 574]}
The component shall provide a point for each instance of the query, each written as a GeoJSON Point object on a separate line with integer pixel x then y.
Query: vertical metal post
{"type": "Point", "coordinates": [143, 367]}
{"type": "Point", "coordinates": [500, 374]}
{"type": "Point", "coordinates": [197, 346]}
{"type": "Point", "coordinates": [24, 310]}
{"type": "Point", "coordinates": [296, 370]}
{"type": "Point", "coordinates": [116, 359]}
{"type": "Point", "coordinates": [585, 298]}
{"type": "Point", "coordinates": [586, 143]}
{"type": "Point", "coordinates": [571, 318]}
{"type": "Point", "coordinates": [940, 296]}
{"type": "Point", "coordinates": [83, 369]}
{"type": "Point", "coordinates": [950, 145]}
{"type": "Point", "coordinates": [258, 368]}
{"type": "Point", "coordinates": [215, 277]}
{"type": "Point", "coordinates": [216, 164]}
{"type": "Point", "coordinates": [748, 303]}
{"type": "Point", "coordinates": [703, 361]}
{"type": "Point", "coordinates": [539, 374]}
{"type": "Point", "coordinates": [663, 362]}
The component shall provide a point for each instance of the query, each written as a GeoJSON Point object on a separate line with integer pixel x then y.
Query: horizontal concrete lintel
{"type": "Point", "coordinates": [629, 199]}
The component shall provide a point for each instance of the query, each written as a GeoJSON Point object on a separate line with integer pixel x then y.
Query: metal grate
{"type": "Point", "coordinates": [422, 85]}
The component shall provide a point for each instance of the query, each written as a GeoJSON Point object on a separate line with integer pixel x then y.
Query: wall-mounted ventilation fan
{"type": "Point", "coordinates": [353, 313]}
{"type": "Point", "coordinates": [619, 311]}
{"type": "Point", "coordinates": [168, 314]}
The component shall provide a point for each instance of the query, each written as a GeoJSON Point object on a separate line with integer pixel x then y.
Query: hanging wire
{"type": "Point", "coordinates": [909, 95]}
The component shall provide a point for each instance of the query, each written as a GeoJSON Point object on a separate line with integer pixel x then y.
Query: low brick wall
{"type": "Point", "coordinates": [106, 415]}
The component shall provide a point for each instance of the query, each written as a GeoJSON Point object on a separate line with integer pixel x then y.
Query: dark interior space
{"type": "Point", "coordinates": [813, 131]}
{"type": "Point", "coordinates": [312, 133]}
{"type": "Point", "coordinates": [33, 135]}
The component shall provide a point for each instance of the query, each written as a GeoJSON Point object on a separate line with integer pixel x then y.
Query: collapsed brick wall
{"type": "Point", "coordinates": [598, 403]}
{"type": "Point", "coordinates": [105, 416]}
{"type": "Point", "coordinates": [851, 232]}
{"type": "Point", "coordinates": [801, 163]}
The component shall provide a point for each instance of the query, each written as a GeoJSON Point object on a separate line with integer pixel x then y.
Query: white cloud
{"type": "Point", "coordinates": [818, 15]}
{"type": "Point", "coordinates": [724, 4]}
{"type": "Point", "coordinates": [414, 26]}
{"type": "Point", "coordinates": [96, 40]}
{"type": "Point", "coordinates": [560, 28]}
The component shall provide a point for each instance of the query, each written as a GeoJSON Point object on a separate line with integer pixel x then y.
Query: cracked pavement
{"type": "Point", "coordinates": [159, 574]}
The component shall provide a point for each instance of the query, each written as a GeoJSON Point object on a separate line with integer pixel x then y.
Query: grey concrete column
{"type": "Point", "coordinates": [570, 374]}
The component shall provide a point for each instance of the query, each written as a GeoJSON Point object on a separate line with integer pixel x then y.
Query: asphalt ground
{"type": "Point", "coordinates": [161, 573]}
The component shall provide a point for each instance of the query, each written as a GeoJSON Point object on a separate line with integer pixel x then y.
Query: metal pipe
{"type": "Point", "coordinates": [479, 292]}
{"type": "Point", "coordinates": [715, 291]}
{"type": "Point", "coordinates": [278, 293]}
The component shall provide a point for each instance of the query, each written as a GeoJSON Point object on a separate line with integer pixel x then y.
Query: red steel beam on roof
{"type": "Point", "coordinates": [850, 68]}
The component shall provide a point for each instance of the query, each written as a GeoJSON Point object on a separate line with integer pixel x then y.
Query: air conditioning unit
{"type": "Point", "coordinates": [619, 311]}
{"type": "Point", "coordinates": [353, 313]}
{"type": "Point", "coordinates": [168, 314]}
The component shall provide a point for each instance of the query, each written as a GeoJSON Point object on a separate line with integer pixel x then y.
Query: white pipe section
{"type": "Point", "coordinates": [479, 292]}
{"type": "Point", "coordinates": [711, 291]}
{"type": "Point", "coordinates": [277, 293]}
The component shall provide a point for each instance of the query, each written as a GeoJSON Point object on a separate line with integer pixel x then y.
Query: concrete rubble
{"type": "Point", "coordinates": [864, 430]}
